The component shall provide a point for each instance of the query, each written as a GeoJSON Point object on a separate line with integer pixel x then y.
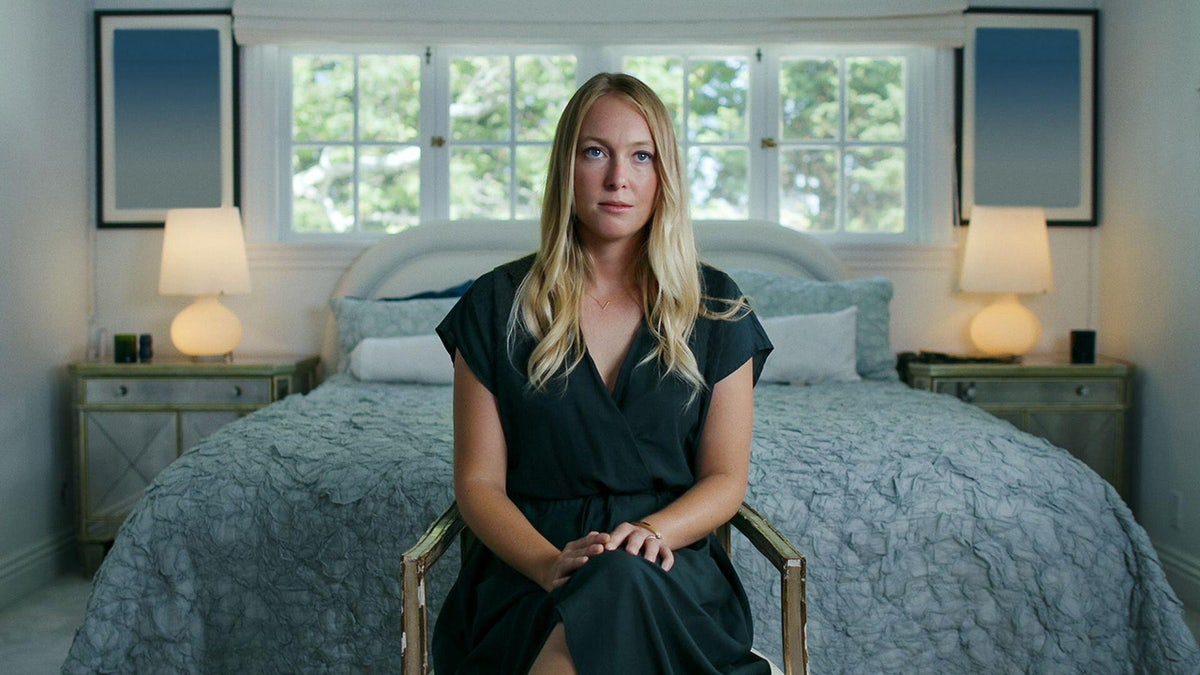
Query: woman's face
{"type": "Point", "coordinates": [616, 182]}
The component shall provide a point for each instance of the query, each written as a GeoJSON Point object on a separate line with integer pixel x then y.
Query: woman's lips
{"type": "Point", "coordinates": [615, 207]}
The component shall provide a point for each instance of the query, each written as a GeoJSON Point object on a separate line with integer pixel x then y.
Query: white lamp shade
{"type": "Point", "coordinates": [204, 253]}
{"type": "Point", "coordinates": [1007, 251]}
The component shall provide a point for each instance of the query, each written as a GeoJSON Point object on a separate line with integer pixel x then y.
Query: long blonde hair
{"type": "Point", "coordinates": [549, 300]}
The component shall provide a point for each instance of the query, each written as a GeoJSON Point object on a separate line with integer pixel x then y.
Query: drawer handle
{"type": "Point", "coordinates": [122, 390]}
{"type": "Point", "coordinates": [1082, 391]}
{"type": "Point", "coordinates": [237, 391]}
{"type": "Point", "coordinates": [966, 392]}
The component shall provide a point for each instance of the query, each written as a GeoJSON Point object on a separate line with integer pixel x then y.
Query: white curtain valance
{"type": "Point", "coordinates": [291, 22]}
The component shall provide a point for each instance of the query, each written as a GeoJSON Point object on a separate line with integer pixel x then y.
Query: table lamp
{"type": "Point", "coordinates": [1007, 254]}
{"type": "Point", "coordinates": [204, 255]}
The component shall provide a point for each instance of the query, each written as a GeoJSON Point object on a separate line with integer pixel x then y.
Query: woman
{"type": "Point", "coordinates": [603, 403]}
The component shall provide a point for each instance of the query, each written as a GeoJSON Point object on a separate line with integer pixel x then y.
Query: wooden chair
{"type": "Point", "coordinates": [770, 542]}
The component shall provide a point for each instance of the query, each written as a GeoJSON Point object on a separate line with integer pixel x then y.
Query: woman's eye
{"type": "Point", "coordinates": [593, 152]}
{"type": "Point", "coordinates": [643, 156]}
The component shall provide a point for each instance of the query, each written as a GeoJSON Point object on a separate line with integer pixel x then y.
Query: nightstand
{"type": "Point", "coordinates": [133, 419]}
{"type": "Point", "coordinates": [1082, 408]}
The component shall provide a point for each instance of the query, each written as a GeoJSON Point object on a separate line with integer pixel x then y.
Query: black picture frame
{"type": "Point", "coordinates": [166, 114]}
{"type": "Point", "coordinates": [1028, 112]}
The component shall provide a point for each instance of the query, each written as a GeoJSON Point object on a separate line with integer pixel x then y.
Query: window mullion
{"type": "Point", "coordinates": [843, 210]}
{"type": "Point", "coordinates": [764, 123]}
{"type": "Point", "coordinates": [914, 151]}
{"type": "Point", "coordinates": [284, 148]}
{"type": "Point", "coordinates": [512, 136]}
{"type": "Point", "coordinates": [685, 114]}
{"type": "Point", "coordinates": [593, 59]}
{"type": "Point", "coordinates": [356, 146]}
{"type": "Point", "coordinates": [435, 161]}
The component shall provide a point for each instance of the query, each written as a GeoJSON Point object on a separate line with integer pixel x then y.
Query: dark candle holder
{"type": "Point", "coordinates": [145, 348]}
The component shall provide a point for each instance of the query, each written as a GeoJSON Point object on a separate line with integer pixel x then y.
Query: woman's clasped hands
{"type": "Point", "coordinates": [626, 536]}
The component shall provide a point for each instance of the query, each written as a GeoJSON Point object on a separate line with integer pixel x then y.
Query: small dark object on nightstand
{"type": "Point", "coordinates": [145, 348]}
{"type": "Point", "coordinates": [905, 358]}
{"type": "Point", "coordinates": [125, 348]}
{"type": "Point", "coordinates": [1083, 346]}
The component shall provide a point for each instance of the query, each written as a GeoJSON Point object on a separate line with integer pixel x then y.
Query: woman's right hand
{"type": "Point", "coordinates": [573, 556]}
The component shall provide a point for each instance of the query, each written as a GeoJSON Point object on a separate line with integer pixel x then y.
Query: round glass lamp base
{"type": "Point", "coordinates": [1005, 327]}
{"type": "Point", "coordinates": [206, 328]}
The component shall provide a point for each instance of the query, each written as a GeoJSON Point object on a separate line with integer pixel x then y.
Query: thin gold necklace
{"type": "Point", "coordinates": [604, 305]}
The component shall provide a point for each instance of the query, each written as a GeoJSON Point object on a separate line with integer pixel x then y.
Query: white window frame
{"type": "Point", "coordinates": [929, 190]}
{"type": "Point", "coordinates": [440, 161]}
{"type": "Point", "coordinates": [918, 71]}
{"type": "Point", "coordinates": [285, 145]}
{"type": "Point", "coordinates": [755, 178]}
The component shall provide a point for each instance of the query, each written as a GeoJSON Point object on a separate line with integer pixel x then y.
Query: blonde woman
{"type": "Point", "coordinates": [603, 404]}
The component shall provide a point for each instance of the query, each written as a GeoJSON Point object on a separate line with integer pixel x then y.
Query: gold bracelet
{"type": "Point", "coordinates": [647, 526]}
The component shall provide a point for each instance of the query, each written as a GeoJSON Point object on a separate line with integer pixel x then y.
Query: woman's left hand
{"type": "Point", "coordinates": [640, 541]}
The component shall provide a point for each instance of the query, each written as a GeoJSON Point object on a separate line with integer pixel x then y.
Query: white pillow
{"type": "Point", "coordinates": [812, 348]}
{"type": "Point", "coordinates": [418, 358]}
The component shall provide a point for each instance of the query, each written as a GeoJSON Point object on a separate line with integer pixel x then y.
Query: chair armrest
{"type": "Point", "coordinates": [430, 547]}
{"type": "Point", "coordinates": [790, 563]}
{"type": "Point", "coordinates": [415, 565]}
{"type": "Point", "coordinates": [766, 538]}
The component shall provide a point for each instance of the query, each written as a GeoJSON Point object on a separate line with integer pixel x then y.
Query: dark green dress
{"type": "Point", "coordinates": [580, 459]}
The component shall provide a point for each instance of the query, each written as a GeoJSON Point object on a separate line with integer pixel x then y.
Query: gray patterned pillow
{"type": "Point", "coordinates": [358, 319]}
{"type": "Point", "coordinates": [781, 295]}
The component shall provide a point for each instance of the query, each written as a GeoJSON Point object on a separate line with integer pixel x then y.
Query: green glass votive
{"type": "Point", "coordinates": [125, 348]}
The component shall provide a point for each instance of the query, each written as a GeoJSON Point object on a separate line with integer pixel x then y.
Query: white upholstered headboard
{"type": "Point", "coordinates": [442, 254]}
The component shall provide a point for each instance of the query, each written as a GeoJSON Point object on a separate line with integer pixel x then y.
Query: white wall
{"type": "Point", "coordinates": [1150, 259]}
{"type": "Point", "coordinates": [45, 220]}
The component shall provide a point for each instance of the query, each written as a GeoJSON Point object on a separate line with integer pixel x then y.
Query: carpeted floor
{"type": "Point", "coordinates": [36, 631]}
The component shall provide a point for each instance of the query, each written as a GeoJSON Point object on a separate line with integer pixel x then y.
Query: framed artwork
{"type": "Point", "coordinates": [1028, 113]}
{"type": "Point", "coordinates": [166, 106]}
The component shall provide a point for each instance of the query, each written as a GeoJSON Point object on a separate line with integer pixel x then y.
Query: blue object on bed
{"type": "Point", "coordinates": [939, 539]}
{"type": "Point", "coordinates": [455, 291]}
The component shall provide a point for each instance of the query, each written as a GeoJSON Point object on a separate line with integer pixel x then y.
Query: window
{"type": "Point", "coordinates": [355, 149]}
{"type": "Point", "coordinates": [354, 158]}
{"type": "Point", "coordinates": [709, 98]}
{"type": "Point", "coordinates": [831, 136]}
{"type": "Point", "coordinates": [821, 139]}
{"type": "Point", "coordinates": [503, 110]}
{"type": "Point", "coordinates": [841, 143]}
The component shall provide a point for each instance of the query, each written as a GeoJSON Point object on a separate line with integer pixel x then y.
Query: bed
{"type": "Point", "coordinates": [938, 538]}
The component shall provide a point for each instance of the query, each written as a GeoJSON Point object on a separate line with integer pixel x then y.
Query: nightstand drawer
{"type": "Point", "coordinates": [149, 391]}
{"type": "Point", "coordinates": [1032, 391]}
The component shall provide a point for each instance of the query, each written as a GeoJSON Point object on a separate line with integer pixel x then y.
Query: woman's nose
{"type": "Point", "coordinates": [616, 174]}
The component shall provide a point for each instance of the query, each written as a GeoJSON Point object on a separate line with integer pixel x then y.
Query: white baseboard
{"type": "Point", "coordinates": [1183, 571]}
{"type": "Point", "coordinates": [33, 567]}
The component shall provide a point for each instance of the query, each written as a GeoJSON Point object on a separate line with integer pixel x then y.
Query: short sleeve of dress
{"type": "Point", "coordinates": [731, 342]}
{"type": "Point", "coordinates": [470, 329]}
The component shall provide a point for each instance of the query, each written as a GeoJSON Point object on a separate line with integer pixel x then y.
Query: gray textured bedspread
{"type": "Point", "coordinates": [939, 540]}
